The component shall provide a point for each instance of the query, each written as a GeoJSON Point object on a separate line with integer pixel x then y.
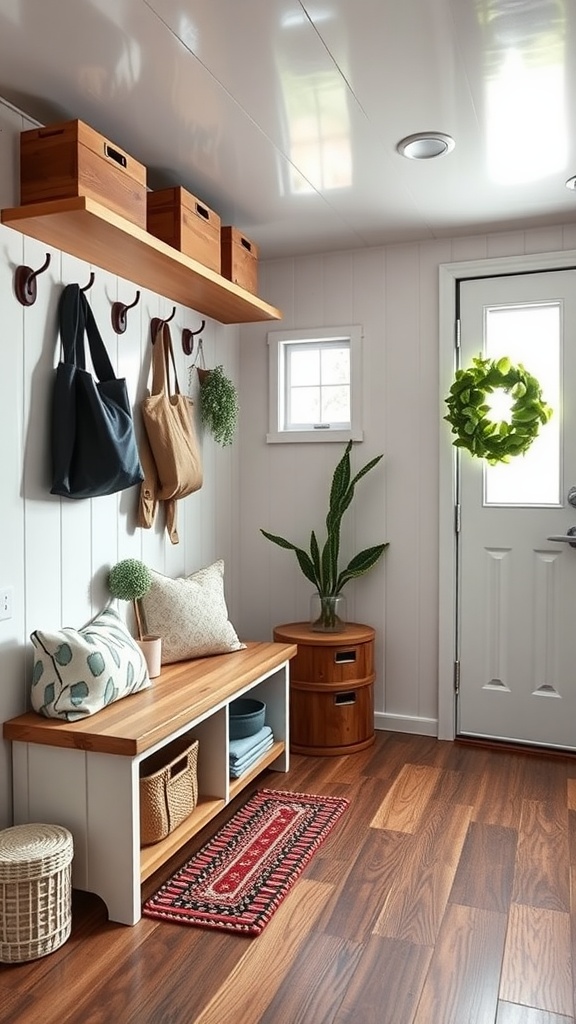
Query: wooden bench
{"type": "Point", "coordinates": [85, 774]}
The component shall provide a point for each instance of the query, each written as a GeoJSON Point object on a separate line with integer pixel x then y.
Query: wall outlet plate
{"type": "Point", "coordinates": [6, 601]}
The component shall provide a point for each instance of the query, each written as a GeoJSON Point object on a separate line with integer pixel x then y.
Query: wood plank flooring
{"type": "Point", "coordinates": [445, 895]}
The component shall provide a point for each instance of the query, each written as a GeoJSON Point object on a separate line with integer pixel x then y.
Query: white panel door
{"type": "Point", "coordinates": [516, 587]}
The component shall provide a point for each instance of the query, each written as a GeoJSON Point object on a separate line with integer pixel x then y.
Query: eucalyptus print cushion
{"type": "Point", "coordinates": [77, 672]}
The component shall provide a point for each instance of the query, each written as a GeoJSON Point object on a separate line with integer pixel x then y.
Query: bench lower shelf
{"type": "Point", "coordinates": [153, 857]}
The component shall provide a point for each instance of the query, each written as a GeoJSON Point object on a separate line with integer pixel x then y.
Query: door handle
{"type": "Point", "coordinates": [568, 538]}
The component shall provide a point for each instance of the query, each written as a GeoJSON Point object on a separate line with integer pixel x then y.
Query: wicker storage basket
{"type": "Point", "coordinates": [168, 789]}
{"type": "Point", "coordinates": [35, 890]}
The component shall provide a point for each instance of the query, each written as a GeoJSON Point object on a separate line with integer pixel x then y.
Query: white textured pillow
{"type": "Point", "coordinates": [77, 672]}
{"type": "Point", "coordinates": [190, 614]}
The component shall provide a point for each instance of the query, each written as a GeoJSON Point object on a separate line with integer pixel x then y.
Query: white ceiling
{"type": "Point", "coordinates": [284, 115]}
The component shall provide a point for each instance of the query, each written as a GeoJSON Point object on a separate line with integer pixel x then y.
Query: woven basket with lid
{"type": "Point", "coordinates": [35, 890]}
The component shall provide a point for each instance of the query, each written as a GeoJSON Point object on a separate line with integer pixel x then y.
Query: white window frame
{"type": "Point", "coordinates": [277, 347]}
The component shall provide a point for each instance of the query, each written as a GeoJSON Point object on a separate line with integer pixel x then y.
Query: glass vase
{"type": "Point", "coordinates": [327, 613]}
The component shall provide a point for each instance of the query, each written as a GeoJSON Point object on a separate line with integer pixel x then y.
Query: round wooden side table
{"type": "Point", "coordinates": [331, 688]}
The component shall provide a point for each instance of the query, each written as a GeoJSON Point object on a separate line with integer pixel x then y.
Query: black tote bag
{"type": "Point", "coordinates": [94, 448]}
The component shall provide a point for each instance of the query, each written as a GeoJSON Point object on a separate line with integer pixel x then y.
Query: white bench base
{"type": "Point", "coordinates": [96, 794]}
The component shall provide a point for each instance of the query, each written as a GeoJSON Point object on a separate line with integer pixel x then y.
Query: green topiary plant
{"type": "Point", "coordinates": [218, 404]}
{"type": "Point", "coordinates": [321, 566]}
{"type": "Point", "coordinates": [129, 580]}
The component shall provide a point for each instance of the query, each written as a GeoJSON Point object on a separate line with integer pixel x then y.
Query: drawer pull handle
{"type": "Point", "coordinates": [344, 698]}
{"type": "Point", "coordinates": [345, 657]}
{"type": "Point", "coordinates": [247, 245]}
{"type": "Point", "coordinates": [202, 211]}
{"type": "Point", "coordinates": [115, 155]}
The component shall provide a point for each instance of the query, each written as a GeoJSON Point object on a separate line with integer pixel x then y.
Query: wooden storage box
{"type": "Point", "coordinates": [71, 159]}
{"type": "Point", "coordinates": [239, 259]}
{"type": "Point", "coordinates": [168, 789]}
{"type": "Point", "coordinates": [325, 720]}
{"type": "Point", "coordinates": [331, 688]}
{"type": "Point", "coordinates": [184, 222]}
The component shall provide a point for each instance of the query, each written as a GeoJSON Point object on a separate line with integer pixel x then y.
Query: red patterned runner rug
{"type": "Point", "coordinates": [239, 877]}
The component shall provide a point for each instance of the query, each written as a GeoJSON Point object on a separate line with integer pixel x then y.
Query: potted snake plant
{"type": "Point", "coordinates": [321, 565]}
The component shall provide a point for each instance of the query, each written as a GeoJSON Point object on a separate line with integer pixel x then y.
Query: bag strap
{"type": "Point", "coordinates": [162, 356]}
{"type": "Point", "coordinates": [77, 318]}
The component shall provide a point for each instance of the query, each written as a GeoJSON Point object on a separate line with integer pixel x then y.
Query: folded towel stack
{"type": "Point", "coordinates": [245, 752]}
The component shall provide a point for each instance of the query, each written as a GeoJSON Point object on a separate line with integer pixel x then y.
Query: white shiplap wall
{"type": "Point", "coordinates": [393, 293]}
{"type": "Point", "coordinates": [55, 553]}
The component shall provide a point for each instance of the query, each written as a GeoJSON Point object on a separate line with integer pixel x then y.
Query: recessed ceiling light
{"type": "Point", "coordinates": [425, 145]}
{"type": "Point", "coordinates": [571, 183]}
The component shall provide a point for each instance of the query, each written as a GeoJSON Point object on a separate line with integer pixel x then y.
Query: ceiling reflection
{"type": "Point", "coordinates": [11, 10]}
{"type": "Point", "coordinates": [188, 32]}
{"type": "Point", "coordinates": [314, 98]}
{"type": "Point", "coordinates": [525, 88]}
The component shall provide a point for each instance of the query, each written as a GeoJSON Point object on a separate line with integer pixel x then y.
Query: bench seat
{"type": "Point", "coordinates": [84, 775]}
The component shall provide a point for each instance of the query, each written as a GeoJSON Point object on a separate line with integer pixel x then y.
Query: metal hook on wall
{"type": "Point", "coordinates": [90, 282]}
{"type": "Point", "coordinates": [25, 282]}
{"type": "Point", "coordinates": [157, 323]}
{"type": "Point", "coordinates": [188, 338]}
{"type": "Point", "coordinates": [119, 311]}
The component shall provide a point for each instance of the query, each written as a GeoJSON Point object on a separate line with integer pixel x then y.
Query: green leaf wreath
{"type": "Point", "coordinates": [493, 440]}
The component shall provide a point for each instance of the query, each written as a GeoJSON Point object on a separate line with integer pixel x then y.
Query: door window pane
{"type": "Point", "coordinates": [529, 334]}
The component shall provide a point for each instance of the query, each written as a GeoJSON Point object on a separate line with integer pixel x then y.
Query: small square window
{"type": "Point", "coordinates": [315, 381]}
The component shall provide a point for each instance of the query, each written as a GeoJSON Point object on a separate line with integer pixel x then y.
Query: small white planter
{"type": "Point", "coordinates": [151, 647]}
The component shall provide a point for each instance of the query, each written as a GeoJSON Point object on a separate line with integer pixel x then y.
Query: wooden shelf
{"type": "Point", "coordinates": [237, 785]}
{"type": "Point", "coordinates": [153, 857]}
{"type": "Point", "coordinates": [83, 228]}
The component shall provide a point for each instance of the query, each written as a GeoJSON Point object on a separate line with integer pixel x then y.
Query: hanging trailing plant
{"type": "Point", "coordinates": [469, 410]}
{"type": "Point", "coordinates": [218, 404]}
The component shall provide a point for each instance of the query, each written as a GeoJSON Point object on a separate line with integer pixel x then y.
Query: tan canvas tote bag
{"type": "Point", "coordinates": [169, 450]}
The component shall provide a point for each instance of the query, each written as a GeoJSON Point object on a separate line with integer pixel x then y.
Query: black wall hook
{"type": "Point", "coordinates": [90, 282]}
{"type": "Point", "coordinates": [119, 310]}
{"type": "Point", "coordinates": [25, 282]}
{"type": "Point", "coordinates": [157, 322]}
{"type": "Point", "coordinates": [188, 338]}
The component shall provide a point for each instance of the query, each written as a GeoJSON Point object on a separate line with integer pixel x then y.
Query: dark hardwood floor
{"type": "Point", "coordinates": [443, 896]}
